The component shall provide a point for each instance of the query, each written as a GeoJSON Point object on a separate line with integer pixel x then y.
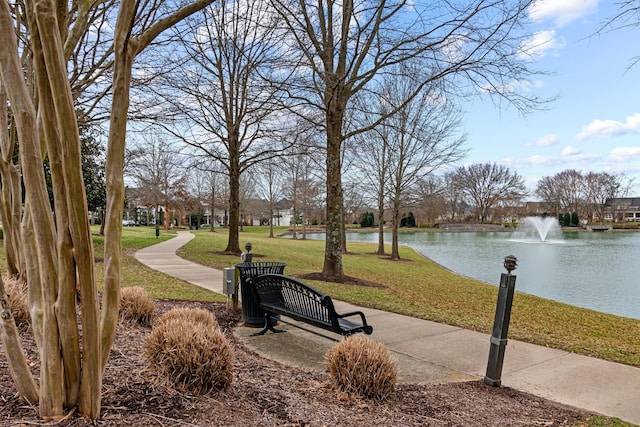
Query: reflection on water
{"type": "Point", "coordinates": [592, 270]}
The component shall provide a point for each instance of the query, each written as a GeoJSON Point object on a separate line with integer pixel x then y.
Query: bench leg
{"type": "Point", "coordinates": [268, 326]}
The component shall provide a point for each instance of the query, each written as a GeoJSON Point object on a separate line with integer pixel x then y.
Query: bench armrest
{"type": "Point", "coordinates": [354, 313]}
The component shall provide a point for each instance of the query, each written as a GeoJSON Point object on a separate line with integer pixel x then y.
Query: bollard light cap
{"type": "Point", "coordinates": [510, 263]}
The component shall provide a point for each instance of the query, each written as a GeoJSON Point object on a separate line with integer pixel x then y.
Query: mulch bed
{"type": "Point", "coordinates": [267, 393]}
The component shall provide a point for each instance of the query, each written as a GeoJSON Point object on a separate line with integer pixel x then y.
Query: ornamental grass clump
{"type": "Point", "coordinates": [198, 315]}
{"type": "Point", "coordinates": [358, 365]}
{"type": "Point", "coordinates": [136, 306]}
{"type": "Point", "coordinates": [191, 354]}
{"type": "Point", "coordinates": [18, 302]}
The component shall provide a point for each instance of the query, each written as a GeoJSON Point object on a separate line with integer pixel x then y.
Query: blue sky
{"type": "Point", "coordinates": [594, 125]}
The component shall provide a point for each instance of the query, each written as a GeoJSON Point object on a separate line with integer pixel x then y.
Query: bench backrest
{"type": "Point", "coordinates": [288, 296]}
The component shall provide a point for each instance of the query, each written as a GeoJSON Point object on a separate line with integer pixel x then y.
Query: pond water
{"type": "Point", "coordinates": [596, 270]}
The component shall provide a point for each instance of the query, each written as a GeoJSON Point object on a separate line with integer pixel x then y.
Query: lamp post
{"type": "Point", "coordinates": [501, 323]}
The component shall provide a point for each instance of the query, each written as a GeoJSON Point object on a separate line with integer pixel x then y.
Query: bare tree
{"type": "Point", "coordinates": [572, 191]}
{"type": "Point", "coordinates": [89, 50]}
{"type": "Point", "coordinates": [302, 189]}
{"type": "Point", "coordinates": [270, 185]}
{"type": "Point", "coordinates": [549, 192]}
{"type": "Point", "coordinates": [599, 186]}
{"type": "Point", "coordinates": [157, 169]}
{"type": "Point", "coordinates": [207, 181]}
{"type": "Point", "coordinates": [406, 148]}
{"type": "Point", "coordinates": [421, 137]}
{"type": "Point", "coordinates": [432, 196]}
{"type": "Point", "coordinates": [308, 189]}
{"type": "Point", "coordinates": [454, 197]}
{"type": "Point", "coordinates": [372, 158]}
{"type": "Point", "coordinates": [565, 191]}
{"type": "Point", "coordinates": [233, 110]}
{"type": "Point", "coordinates": [488, 184]}
{"type": "Point", "coordinates": [342, 48]}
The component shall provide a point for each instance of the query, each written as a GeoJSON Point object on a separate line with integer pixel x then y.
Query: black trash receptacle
{"type": "Point", "coordinates": [252, 314]}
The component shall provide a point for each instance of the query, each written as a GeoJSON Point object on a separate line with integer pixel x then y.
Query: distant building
{"type": "Point", "coordinates": [622, 209]}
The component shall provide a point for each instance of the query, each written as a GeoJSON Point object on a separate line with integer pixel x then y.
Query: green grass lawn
{"type": "Point", "coordinates": [420, 288]}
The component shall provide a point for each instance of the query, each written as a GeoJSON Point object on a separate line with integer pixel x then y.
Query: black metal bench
{"type": "Point", "coordinates": [278, 294]}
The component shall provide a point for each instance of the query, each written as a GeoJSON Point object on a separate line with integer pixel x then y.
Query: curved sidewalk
{"type": "Point", "coordinates": [429, 352]}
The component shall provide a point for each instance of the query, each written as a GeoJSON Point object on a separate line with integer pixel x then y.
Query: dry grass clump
{"type": "Point", "coordinates": [190, 353]}
{"type": "Point", "coordinates": [18, 301]}
{"type": "Point", "coordinates": [196, 315]}
{"type": "Point", "coordinates": [136, 306]}
{"type": "Point", "coordinates": [358, 365]}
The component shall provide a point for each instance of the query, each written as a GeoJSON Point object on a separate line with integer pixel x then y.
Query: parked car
{"type": "Point", "coordinates": [128, 223]}
{"type": "Point", "coordinates": [206, 225]}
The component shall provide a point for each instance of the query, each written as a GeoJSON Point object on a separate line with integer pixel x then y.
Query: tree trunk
{"type": "Point", "coordinates": [76, 260]}
{"type": "Point", "coordinates": [333, 269]}
{"type": "Point", "coordinates": [380, 250]}
{"type": "Point", "coordinates": [125, 51]}
{"type": "Point", "coordinates": [52, 393]}
{"type": "Point", "coordinates": [10, 196]}
{"type": "Point", "coordinates": [271, 216]}
{"type": "Point", "coordinates": [395, 255]}
{"type": "Point", "coordinates": [233, 244]}
{"type": "Point", "coordinates": [18, 364]}
{"type": "Point", "coordinates": [65, 305]}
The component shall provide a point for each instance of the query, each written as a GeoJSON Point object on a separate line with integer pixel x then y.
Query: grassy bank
{"type": "Point", "coordinates": [420, 288]}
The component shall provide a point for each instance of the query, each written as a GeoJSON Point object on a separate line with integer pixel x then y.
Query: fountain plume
{"type": "Point", "coordinates": [540, 227]}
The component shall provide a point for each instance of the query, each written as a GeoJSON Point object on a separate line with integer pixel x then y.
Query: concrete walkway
{"type": "Point", "coordinates": [429, 352]}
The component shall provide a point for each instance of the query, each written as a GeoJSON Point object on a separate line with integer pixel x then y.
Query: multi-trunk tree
{"type": "Point", "coordinates": [56, 243]}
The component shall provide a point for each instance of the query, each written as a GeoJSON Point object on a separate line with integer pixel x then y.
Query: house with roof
{"type": "Point", "coordinates": [622, 209]}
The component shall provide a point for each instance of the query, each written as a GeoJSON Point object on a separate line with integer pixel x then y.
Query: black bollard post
{"type": "Point", "coordinates": [501, 323]}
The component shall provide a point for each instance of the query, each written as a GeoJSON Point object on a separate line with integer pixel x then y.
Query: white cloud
{"type": "Point", "coordinates": [568, 155]}
{"type": "Point", "coordinates": [609, 128]}
{"type": "Point", "coordinates": [570, 151]}
{"type": "Point", "coordinates": [539, 160]}
{"type": "Point", "coordinates": [540, 44]}
{"type": "Point", "coordinates": [572, 154]}
{"type": "Point", "coordinates": [562, 12]}
{"type": "Point", "coordinates": [624, 154]}
{"type": "Point", "coordinates": [547, 141]}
